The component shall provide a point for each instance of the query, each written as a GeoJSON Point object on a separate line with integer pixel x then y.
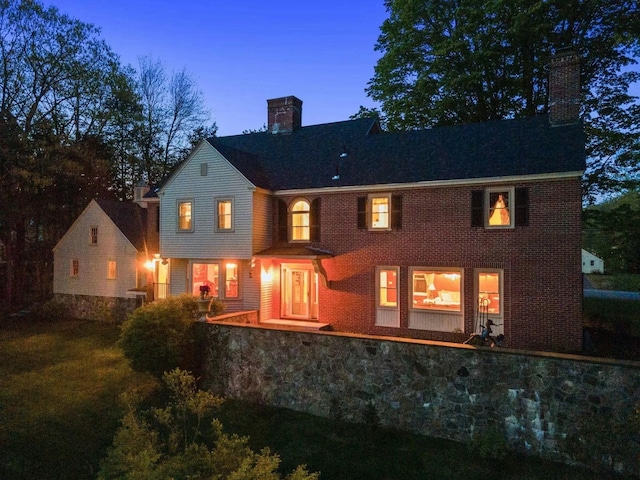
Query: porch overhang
{"type": "Point", "coordinates": [300, 252]}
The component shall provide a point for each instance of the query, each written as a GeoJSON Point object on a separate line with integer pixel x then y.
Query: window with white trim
{"type": "Point", "coordinates": [300, 221]}
{"type": "Point", "coordinates": [500, 207]}
{"type": "Point", "coordinates": [224, 209]}
{"type": "Point", "coordinates": [74, 267]}
{"type": "Point", "coordinates": [489, 288]}
{"type": "Point", "coordinates": [436, 289]}
{"type": "Point", "coordinates": [93, 235]}
{"type": "Point", "coordinates": [185, 215]}
{"type": "Point", "coordinates": [387, 296]}
{"type": "Point", "coordinates": [380, 212]}
{"type": "Point", "coordinates": [111, 270]}
{"type": "Point", "coordinates": [220, 279]}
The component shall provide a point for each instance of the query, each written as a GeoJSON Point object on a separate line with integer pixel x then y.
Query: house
{"type": "Point", "coordinates": [591, 263]}
{"type": "Point", "coordinates": [421, 234]}
{"type": "Point", "coordinates": [99, 264]}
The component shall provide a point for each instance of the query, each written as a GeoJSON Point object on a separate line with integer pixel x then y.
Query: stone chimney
{"type": "Point", "coordinates": [564, 88]}
{"type": "Point", "coordinates": [284, 115]}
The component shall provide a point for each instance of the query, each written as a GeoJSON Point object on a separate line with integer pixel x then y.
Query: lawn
{"type": "Point", "coordinates": [59, 384]}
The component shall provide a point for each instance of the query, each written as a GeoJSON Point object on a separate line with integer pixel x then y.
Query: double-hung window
{"type": "Point", "coordinates": [185, 215]}
{"type": "Point", "coordinates": [387, 296]}
{"type": "Point", "coordinates": [93, 235]}
{"type": "Point", "coordinates": [300, 221]}
{"type": "Point", "coordinates": [490, 293]}
{"type": "Point", "coordinates": [75, 267]}
{"type": "Point", "coordinates": [499, 207]}
{"type": "Point", "coordinates": [380, 212]}
{"type": "Point", "coordinates": [111, 270]}
{"type": "Point", "coordinates": [224, 208]}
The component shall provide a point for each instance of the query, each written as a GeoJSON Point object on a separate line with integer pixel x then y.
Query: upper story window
{"type": "Point", "coordinates": [436, 289]}
{"type": "Point", "coordinates": [185, 215]}
{"type": "Point", "coordinates": [380, 212]}
{"type": "Point", "coordinates": [225, 214]}
{"type": "Point", "coordinates": [503, 207]}
{"type": "Point", "coordinates": [93, 235]}
{"type": "Point", "coordinates": [300, 222]}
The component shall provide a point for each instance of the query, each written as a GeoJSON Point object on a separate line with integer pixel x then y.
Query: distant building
{"type": "Point", "coordinates": [591, 263]}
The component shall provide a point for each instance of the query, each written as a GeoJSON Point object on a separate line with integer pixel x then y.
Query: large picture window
{"type": "Point", "coordinates": [434, 289]}
{"type": "Point", "coordinates": [221, 279]}
{"type": "Point", "coordinates": [185, 215]}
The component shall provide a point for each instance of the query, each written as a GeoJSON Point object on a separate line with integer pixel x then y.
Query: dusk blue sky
{"type": "Point", "coordinates": [243, 52]}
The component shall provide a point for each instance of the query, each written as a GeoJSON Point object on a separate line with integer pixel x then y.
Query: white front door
{"type": "Point", "coordinates": [298, 294]}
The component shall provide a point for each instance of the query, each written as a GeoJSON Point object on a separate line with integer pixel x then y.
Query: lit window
{"type": "Point", "coordinates": [489, 284]}
{"type": "Point", "coordinates": [436, 289]}
{"type": "Point", "coordinates": [111, 270]}
{"type": "Point", "coordinates": [231, 280]}
{"type": "Point", "coordinates": [300, 221]}
{"type": "Point", "coordinates": [499, 208]}
{"type": "Point", "coordinates": [185, 215]}
{"type": "Point", "coordinates": [380, 212]}
{"type": "Point", "coordinates": [388, 287]}
{"type": "Point", "coordinates": [75, 267]}
{"type": "Point", "coordinates": [224, 215]}
{"type": "Point", "coordinates": [205, 275]}
{"type": "Point", "coordinates": [93, 235]}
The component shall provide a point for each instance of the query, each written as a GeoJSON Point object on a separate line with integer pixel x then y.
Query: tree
{"type": "Point", "coordinates": [448, 62]}
{"type": "Point", "coordinates": [172, 109]}
{"type": "Point", "coordinates": [55, 83]}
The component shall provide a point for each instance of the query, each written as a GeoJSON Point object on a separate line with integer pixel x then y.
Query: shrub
{"type": "Point", "coordinates": [50, 311]}
{"type": "Point", "coordinates": [183, 440]}
{"type": "Point", "coordinates": [160, 336]}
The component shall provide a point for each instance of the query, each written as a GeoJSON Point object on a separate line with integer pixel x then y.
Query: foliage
{"type": "Point", "coordinates": [172, 442]}
{"type": "Point", "coordinates": [157, 336]}
{"type": "Point", "coordinates": [611, 230]}
{"type": "Point", "coordinates": [601, 439]}
{"type": "Point", "coordinates": [50, 311]}
{"type": "Point", "coordinates": [448, 62]}
{"type": "Point", "coordinates": [489, 444]}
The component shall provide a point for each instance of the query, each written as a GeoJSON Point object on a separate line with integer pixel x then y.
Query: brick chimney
{"type": "Point", "coordinates": [284, 115]}
{"type": "Point", "coordinates": [564, 88]}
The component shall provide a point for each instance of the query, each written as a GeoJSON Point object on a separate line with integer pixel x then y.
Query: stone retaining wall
{"type": "Point", "coordinates": [103, 309]}
{"type": "Point", "coordinates": [565, 408]}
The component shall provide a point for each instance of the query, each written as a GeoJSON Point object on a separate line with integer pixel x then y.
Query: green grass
{"type": "Point", "coordinates": [59, 384]}
{"type": "Point", "coordinates": [625, 282]}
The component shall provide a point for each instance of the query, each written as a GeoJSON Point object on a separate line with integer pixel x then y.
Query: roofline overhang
{"type": "Point", "coordinates": [433, 183]}
{"type": "Point", "coordinates": [319, 256]}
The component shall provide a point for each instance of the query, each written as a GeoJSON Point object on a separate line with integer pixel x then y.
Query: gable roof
{"type": "Point", "coordinates": [310, 157]}
{"type": "Point", "coordinates": [129, 218]}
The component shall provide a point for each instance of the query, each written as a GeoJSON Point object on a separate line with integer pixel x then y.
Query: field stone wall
{"type": "Point", "coordinates": [560, 407]}
{"type": "Point", "coordinates": [102, 309]}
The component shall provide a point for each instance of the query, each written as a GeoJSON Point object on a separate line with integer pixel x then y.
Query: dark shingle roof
{"type": "Point", "coordinates": [309, 157]}
{"type": "Point", "coordinates": [129, 218]}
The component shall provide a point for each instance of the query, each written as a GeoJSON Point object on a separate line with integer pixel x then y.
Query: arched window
{"type": "Point", "coordinates": [300, 224]}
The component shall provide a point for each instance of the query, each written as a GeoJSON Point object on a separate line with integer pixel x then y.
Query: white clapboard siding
{"type": "Point", "coordinates": [222, 180]}
{"type": "Point", "coordinates": [93, 259]}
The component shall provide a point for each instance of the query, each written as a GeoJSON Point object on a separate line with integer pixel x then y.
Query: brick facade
{"type": "Point", "coordinates": [540, 262]}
